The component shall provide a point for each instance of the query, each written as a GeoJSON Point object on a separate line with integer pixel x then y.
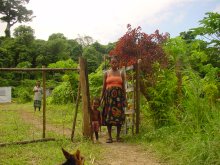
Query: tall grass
{"type": "Point", "coordinates": [194, 137]}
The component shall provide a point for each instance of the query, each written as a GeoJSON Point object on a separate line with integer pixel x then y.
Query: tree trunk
{"type": "Point", "coordinates": [143, 90]}
{"type": "Point", "coordinates": [8, 30]}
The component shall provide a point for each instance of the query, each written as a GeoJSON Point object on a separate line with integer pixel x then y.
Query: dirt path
{"type": "Point", "coordinates": [31, 118]}
{"type": "Point", "coordinates": [116, 153]}
{"type": "Point", "coordinates": [126, 154]}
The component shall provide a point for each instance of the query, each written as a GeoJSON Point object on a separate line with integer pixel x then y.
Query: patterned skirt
{"type": "Point", "coordinates": [114, 103]}
{"type": "Point", "coordinates": [37, 103]}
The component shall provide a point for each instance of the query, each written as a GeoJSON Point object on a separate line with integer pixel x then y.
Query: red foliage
{"type": "Point", "coordinates": [136, 45]}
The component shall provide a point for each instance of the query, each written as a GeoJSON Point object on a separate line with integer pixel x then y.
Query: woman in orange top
{"type": "Point", "coordinates": [113, 97]}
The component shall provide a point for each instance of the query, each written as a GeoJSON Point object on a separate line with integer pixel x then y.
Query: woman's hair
{"type": "Point", "coordinates": [38, 82]}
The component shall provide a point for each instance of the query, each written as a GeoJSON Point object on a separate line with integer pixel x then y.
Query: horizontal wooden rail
{"type": "Point", "coordinates": [27, 142]}
{"type": "Point", "coordinates": [36, 69]}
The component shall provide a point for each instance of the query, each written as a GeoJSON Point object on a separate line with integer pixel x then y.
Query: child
{"type": "Point", "coordinates": [96, 117]}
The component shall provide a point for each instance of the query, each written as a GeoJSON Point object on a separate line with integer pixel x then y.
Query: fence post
{"type": "Point", "coordinates": [44, 101]}
{"type": "Point", "coordinates": [85, 97]}
{"type": "Point", "coordinates": [138, 96]}
{"type": "Point", "coordinates": [76, 111]}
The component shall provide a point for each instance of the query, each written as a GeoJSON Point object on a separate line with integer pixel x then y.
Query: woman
{"type": "Point", "coordinates": [113, 96]}
{"type": "Point", "coordinates": [37, 96]}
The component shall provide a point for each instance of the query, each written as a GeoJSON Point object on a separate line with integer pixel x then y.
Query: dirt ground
{"type": "Point", "coordinates": [117, 153]}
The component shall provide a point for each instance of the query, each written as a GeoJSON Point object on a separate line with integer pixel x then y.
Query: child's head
{"type": "Point", "coordinates": [96, 103]}
{"type": "Point", "coordinates": [38, 83]}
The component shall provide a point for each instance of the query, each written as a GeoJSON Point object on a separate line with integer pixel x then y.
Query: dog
{"type": "Point", "coordinates": [73, 159]}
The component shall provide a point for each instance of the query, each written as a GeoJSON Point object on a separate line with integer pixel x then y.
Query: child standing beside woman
{"type": "Point", "coordinates": [96, 117]}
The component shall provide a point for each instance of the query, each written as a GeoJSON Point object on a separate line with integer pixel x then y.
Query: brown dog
{"type": "Point", "coordinates": [73, 159]}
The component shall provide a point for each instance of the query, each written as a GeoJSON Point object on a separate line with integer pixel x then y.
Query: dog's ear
{"type": "Point", "coordinates": [80, 159]}
{"type": "Point", "coordinates": [66, 154]}
{"type": "Point", "coordinates": [78, 155]}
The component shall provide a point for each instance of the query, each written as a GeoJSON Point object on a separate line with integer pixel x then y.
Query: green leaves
{"type": "Point", "coordinates": [210, 28]}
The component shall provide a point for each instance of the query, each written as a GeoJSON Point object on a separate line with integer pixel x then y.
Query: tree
{"type": "Point", "coordinates": [84, 40]}
{"type": "Point", "coordinates": [136, 45]}
{"type": "Point", "coordinates": [94, 58]}
{"type": "Point", "coordinates": [7, 52]}
{"type": "Point", "coordinates": [176, 49]}
{"type": "Point", "coordinates": [25, 34]}
{"type": "Point", "coordinates": [75, 49]}
{"type": "Point", "coordinates": [14, 11]}
{"type": "Point", "coordinates": [56, 48]}
{"type": "Point", "coordinates": [188, 36]}
{"type": "Point", "coordinates": [100, 48]}
{"type": "Point", "coordinates": [56, 36]}
{"type": "Point", "coordinates": [210, 31]}
{"type": "Point", "coordinates": [210, 28]}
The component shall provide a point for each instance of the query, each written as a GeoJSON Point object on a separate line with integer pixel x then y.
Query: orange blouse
{"type": "Point", "coordinates": [114, 81]}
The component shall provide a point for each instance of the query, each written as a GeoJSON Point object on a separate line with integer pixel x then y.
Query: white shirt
{"type": "Point", "coordinates": [38, 94]}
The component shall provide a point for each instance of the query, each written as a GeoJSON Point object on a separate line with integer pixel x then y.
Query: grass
{"type": "Point", "coordinates": [185, 142]}
{"type": "Point", "coordinates": [47, 153]}
{"type": "Point", "coordinates": [13, 128]}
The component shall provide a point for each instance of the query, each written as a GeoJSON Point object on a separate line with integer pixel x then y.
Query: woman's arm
{"type": "Point", "coordinates": [35, 90]}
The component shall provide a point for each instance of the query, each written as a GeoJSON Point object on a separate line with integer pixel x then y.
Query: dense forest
{"type": "Point", "coordinates": [180, 80]}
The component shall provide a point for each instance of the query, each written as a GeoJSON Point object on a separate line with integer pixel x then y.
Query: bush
{"type": "Point", "coordinates": [62, 94]}
{"type": "Point", "coordinates": [23, 95]}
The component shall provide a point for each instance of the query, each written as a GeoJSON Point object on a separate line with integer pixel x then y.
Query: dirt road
{"type": "Point", "coordinates": [116, 153]}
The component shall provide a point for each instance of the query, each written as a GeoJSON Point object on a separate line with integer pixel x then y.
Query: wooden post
{"type": "Point", "coordinates": [76, 111]}
{"type": "Point", "coordinates": [85, 97]}
{"type": "Point", "coordinates": [138, 96]}
{"type": "Point", "coordinates": [44, 101]}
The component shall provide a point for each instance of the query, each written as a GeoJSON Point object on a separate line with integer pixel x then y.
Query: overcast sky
{"type": "Point", "coordinates": [106, 20]}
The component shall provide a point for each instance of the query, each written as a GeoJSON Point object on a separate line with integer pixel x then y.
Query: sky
{"type": "Point", "coordinates": [106, 20]}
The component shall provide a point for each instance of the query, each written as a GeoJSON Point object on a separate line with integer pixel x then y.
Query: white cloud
{"type": "Point", "coordinates": [103, 20]}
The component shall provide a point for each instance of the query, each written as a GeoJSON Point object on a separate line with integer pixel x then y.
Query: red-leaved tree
{"type": "Point", "coordinates": [136, 44]}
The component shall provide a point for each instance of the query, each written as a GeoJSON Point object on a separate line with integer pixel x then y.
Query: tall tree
{"type": "Point", "coordinates": [14, 11]}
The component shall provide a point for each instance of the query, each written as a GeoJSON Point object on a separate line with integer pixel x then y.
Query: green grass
{"type": "Point", "coordinates": [13, 128]}
{"type": "Point", "coordinates": [185, 143]}
{"type": "Point", "coordinates": [46, 153]}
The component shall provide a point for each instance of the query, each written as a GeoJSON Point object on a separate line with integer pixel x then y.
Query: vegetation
{"type": "Point", "coordinates": [15, 129]}
{"type": "Point", "coordinates": [180, 84]}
